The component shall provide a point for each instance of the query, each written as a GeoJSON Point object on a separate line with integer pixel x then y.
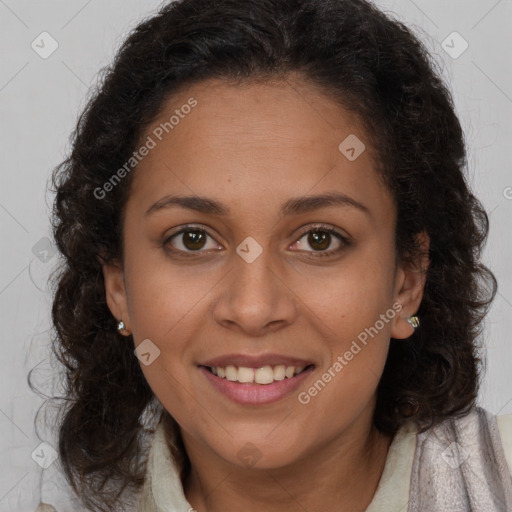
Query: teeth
{"type": "Point", "coordinates": [279, 372]}
{"type": "Point", "coordinates": [263, 375]}
{"type": "Point", "coordinates": [245, 374]}
{"type": "Point", "coordinates": [231, 373]}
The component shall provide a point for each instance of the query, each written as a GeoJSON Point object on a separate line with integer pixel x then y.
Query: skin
{"type": "Point", "coordinates": [252, 147]}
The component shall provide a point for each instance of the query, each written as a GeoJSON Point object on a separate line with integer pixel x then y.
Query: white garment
{"type": "Point", "coordinates": [163, 491]}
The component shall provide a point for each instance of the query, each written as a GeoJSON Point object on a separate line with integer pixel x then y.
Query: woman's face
{"type": "Point", "coordinates": [256, 281]}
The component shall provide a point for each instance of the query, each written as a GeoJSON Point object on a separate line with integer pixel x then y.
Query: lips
{"type": "Point", "coordinates": [254, 393]}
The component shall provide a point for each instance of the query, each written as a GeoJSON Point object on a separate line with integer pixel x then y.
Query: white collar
{"type": "Point", "coordinates": [162, 491]}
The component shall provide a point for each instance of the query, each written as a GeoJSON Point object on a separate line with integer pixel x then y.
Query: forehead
{"type": "Point", "coordinates": [254, 142]}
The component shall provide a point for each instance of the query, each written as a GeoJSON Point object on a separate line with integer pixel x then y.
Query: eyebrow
{"type": "Point", "coordinates": [293, 206]}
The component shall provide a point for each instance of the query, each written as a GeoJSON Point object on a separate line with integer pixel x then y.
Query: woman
{"type": "Point", "coordinates": [272, 293]}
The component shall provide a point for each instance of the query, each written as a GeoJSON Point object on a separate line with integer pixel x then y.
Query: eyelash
{"type": "Point", "coordinates": [311, 229]}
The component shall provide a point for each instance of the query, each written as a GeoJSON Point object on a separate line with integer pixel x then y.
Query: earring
{"type": "Point", "coordinates": [414, 321]}
{"type": "Point", "coordinates": [121, 327]}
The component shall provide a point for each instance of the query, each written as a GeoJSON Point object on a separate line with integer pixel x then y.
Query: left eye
{"type": "Point", "coordinates": [320, 239]}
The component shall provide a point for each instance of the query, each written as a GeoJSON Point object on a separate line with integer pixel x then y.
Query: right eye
{"type": "Point", "coordinates": [189, 239]}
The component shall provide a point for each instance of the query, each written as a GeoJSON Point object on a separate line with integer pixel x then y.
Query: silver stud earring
{"type": "Point", "coordinates": [121, 326]}
{"type": "Point", "coordinates": [414, 321]}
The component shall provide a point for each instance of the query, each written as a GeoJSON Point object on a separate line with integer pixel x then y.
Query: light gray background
{"type": "Point", "coordinates": [39, 103]}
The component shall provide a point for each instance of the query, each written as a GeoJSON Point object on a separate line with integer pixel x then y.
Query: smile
{"type": "Point", "coordinates": [260, 385]}
{"type": "Point", "coordinates": [263, 376]}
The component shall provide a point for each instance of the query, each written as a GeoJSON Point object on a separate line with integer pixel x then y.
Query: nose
{"type": "Point", "coordinates": [254, 297]}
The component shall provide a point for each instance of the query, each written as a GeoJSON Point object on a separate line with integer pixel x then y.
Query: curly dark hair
{"type": "Point", "coordinates": [352, 52]}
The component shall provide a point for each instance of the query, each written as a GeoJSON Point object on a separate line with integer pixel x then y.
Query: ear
{"type": "Point", "coordinates": [115, 291]}
{"type": "Point", "coordinates": [409, 285]}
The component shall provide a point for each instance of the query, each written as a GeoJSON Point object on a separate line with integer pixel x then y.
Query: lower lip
{"type": "Point", "coordinates": [256, 394]}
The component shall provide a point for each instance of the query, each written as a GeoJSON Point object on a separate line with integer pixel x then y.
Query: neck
{"type": "Point", "coordinates": [341, 475]}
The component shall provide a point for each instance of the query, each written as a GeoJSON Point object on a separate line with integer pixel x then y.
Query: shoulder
{"type": "Point", "coordinates": [477, 431]}
{"type": "Point", "coordinates": [463, 463]}
{"type": "Point", "coordinates": [494, 433]}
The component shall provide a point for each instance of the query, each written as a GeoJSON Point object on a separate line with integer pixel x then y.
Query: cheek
{"type": "Point", "coordinates": [353, 313]}
{"type": "Point", "coordinates": [169, 384]}
{"type": "Point", "coordinates": [349, 298]}
{"type": "Point", "coordinates": [162, 297]}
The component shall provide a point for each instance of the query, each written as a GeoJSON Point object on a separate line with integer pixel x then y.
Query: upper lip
{"type": "Point", "coordinates": [259, 361]}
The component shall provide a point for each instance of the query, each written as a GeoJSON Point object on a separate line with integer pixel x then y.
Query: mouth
{"type": "Point", "coordinates": [262, 376]}
{"type": "Point", "coordinates": [250, 380]}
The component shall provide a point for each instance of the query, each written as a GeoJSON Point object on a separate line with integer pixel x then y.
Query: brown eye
{"type": "Point", "coordinates": [320, 239]}
{"type": "Point", "coordinates": [194, 240]}
{"type": "Point", "coordinates": [190, 240]}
